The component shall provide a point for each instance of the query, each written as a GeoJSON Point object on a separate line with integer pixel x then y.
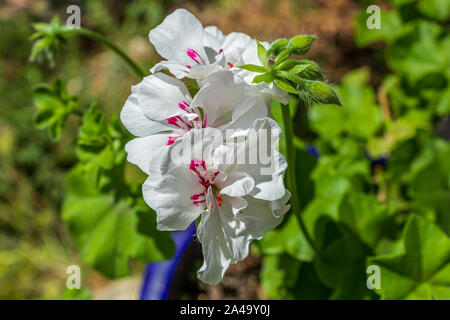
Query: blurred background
{"type": "Point", "coordinates": [35, 245]}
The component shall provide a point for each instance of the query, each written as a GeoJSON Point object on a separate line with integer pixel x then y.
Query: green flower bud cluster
{"type": "Point", "coordinates": [47, 40]}
{"type": "Point", "coordinates": [300, 77]}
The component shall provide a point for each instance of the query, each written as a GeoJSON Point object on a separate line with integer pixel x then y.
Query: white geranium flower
{"type": "Point", "coordinates": [195, 52]}
{"type": "Point", "coordinates": [236, 203]}
{"type": "Point", "coordinates": [160, 110]}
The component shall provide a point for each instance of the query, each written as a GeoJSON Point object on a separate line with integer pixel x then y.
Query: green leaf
{"type": "Point", "coordinates": [341, 266]}
{"type": "Point", "coordinates": [76, 294]}
{"type": "Point", "coordinates": [443, 106]}
{"type": "Point", "coordinates": [278, 271]}
{"type": "Point", "coordinates": [339, 173]}
{"type": "Point", "coordinates": [253, 68]}
{"type": "Point", "coordinates": [367, 218]}
{"type": "Point", "coordinates": [360, 116]}
{"type": "Point", "coordinates": [401, 129]}
{"type": "Point", "coordinates": [422, 269]}
{"type": "Point", "coordinates": [391, 28]}
{"type": "Point", "coordinates": [262, 54]}
{"type": "Point", "coordinates": [436, 9]}
{"type": "Point", "coordinates": [288, 238]}
{"type": "Point", "coordinates": [285, 278]}
{"type": "Point", "coordinates": [267, 77]}
{"type": "Point", "coordinates": [284, 85]}
{"type": "Point", "coordinates": [299, 68]}
{"type": "Point", "coordinates": [53, 106]}
{"type": "Point", "coordinates": [433, 161]}
{"type": "Point", "coordinates": [106, 230]}
{"type": "Point", "coordinates": [420, 52]}
{"type": "Point", "coordinates": [100, 145]}
{"type": "Point", "coordinates": [329, 195]}
{"type": "Point", "coordinates": [306, 69]}
{"type": "Point", "coordinates": [281, 57]}
{"type": "Point", "coordinates": [48, 39]}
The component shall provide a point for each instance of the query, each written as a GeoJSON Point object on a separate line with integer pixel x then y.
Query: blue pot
{"type": "Point", "coordinates": [159, 276]}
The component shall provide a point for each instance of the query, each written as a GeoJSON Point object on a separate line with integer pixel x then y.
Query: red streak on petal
{"type": "Point", "coordinates": [171, 140]}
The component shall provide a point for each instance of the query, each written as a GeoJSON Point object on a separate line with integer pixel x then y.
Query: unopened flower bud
{"type": "Point", "coordinates": [278, 46]}
{"type": "Point", "coordinates": [300, 44]}
{"type": "Point", "coordinates": [318, 92]}
{"type": "Point", "coordinates": [312, 72]}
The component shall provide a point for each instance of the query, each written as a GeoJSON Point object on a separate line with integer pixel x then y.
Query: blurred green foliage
{"type": "Point", "coordinates": [36, 245]}
{"type": "Point", "coordinates": [381, 186]}
{"type": "Point", "coordinates": [378, 193]}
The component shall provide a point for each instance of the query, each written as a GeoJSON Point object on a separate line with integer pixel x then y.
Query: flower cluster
{"type": "Point", "coordinates": [234, 202]}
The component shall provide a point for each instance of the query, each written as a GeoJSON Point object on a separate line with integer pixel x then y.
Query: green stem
{"type": "Point", "coordinates": [291, 176]}
{"type": "Point", "coordinates": [100, 38]}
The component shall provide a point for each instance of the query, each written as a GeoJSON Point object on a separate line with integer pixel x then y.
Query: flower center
{"type": "Point", "coordinates": [184, 124]}
{"type": "Point", "coordinates": [206, 178]}
{"type": "Point", "coordinates": [195, 56]}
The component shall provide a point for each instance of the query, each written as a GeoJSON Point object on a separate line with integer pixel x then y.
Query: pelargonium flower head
{"type": "Point", "coordinates": [195, 52]}
{"type": "Point", "coordinates": [160, 110]}
{"type": "Point", "coordinates": [226, 196]}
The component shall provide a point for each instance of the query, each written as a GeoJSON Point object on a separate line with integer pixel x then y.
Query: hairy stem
{"type": "Point", "coordinates": [291, 176]}
{"type": "Point", "coordinates": [100, 38]}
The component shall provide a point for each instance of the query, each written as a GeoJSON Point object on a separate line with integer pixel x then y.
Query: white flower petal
{"type": "Point", "coordinates": [161, 97]}
{"type": "Point", "coordinates": [237, 184]}
{"type": "Point", "coordinates": [235, 232]}
{"type": "Point", "coordinates": [170, 197]}
{"type": "Point", "coordinates": [268, 213]}
{"type": "Point", "coordinates": [226, 236]}
{"type": "Point", "coordinates": [221, 95]}
{"type": "Point", "coordinates": [245, 113]}
{"type": "Point", "coordinates": [213, 38]}
{"type": "Point", "coordinates": [144, 150]}
{"type": "Point", "coordinates": [236, 203]}
{"type": "Point", "coordinates": [178, 69]}
{"type": "Point", "coordinates": [216, 255]}
{"type": "Point", "coordinates": [178, 33]}
{"type": "Point", "coordinates": [268, 176]}
{"type": "Point", "coordinates": [136, 122]}
{"type": "Point", "coordinates": [234, 46]}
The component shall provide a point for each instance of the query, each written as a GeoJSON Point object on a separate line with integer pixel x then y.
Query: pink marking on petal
{"type": "Point", "coordinates": [220, 51]}
{"type": "Point", "coordinates": [204, 120]}
{"type": "Point", "coordinates": [188, 67]}
{"type": "Point", "coordinates": [198, 198]}
{"type": "Point", "coordinates": [197, 203]}
{"type": "Point", "coordinates": [207, 180]}
{"type": "Point", "coordinates": [198, 166]}
{"type": "Point", "coordinates": [171, 140]}
{"type": "Point", "coordinates": [179, 122]}
{"type": "Point", "coordinates": [195, 56]}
